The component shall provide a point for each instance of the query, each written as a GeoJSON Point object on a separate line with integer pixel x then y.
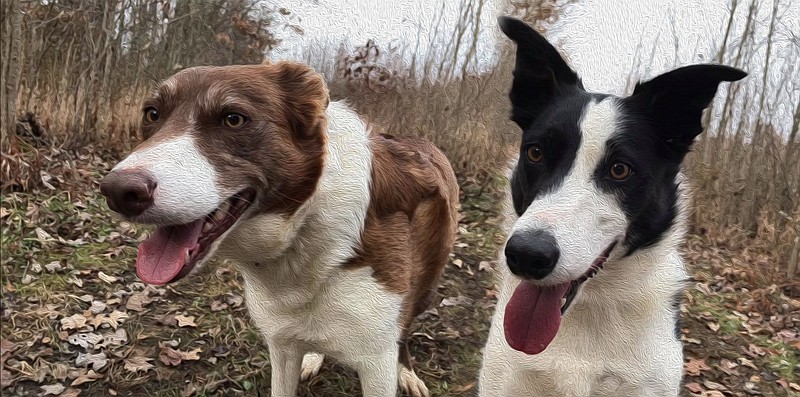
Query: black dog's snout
{"type": "Point", "coordinates": [532, 254]}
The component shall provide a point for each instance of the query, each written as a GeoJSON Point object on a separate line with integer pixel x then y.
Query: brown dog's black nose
{"type": "Point", "coordinates": [129, 192]}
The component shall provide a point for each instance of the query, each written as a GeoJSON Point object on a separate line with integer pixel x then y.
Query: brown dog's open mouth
{"type": "Point", "coordinates": [171, 252]}
{"type": "Point", "coordinates": [533, 314]}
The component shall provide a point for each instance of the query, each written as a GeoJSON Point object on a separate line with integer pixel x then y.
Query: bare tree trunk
{"type": "Point", "coordinates": [10, 74]}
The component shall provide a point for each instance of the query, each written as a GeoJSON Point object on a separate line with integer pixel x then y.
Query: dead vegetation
{"type": "Point", "coordinates": [76, 321]}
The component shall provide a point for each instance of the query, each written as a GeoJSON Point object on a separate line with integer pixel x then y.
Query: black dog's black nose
{"type": "Point", "coordinates": [532, 254]}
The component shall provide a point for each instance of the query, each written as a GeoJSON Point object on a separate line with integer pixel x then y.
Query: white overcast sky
{"type": "Point", "coordinates": [600, 36]}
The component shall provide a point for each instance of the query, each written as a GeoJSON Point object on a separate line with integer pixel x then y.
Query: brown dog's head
{"type": "Point", "coordinates": [221, 144]}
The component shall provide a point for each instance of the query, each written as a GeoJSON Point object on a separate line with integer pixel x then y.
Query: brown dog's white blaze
{"type": "Point", "coordinates": [197, 173]}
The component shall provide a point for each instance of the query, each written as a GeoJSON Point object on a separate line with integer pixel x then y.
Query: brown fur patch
{"type": "Point", "coordinates": [279, 150]}
{"type": "Point", "coordinates": [411, 222]}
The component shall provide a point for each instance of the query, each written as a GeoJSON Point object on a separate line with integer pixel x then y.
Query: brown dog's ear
{"type": "Point", "coordinates": [305, 96]}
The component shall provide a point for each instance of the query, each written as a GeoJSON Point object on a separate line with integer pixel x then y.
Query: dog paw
{"type": "Point", "coordinates": [312, 362]}
{"type": "Point", "coordinates": [411, 384]}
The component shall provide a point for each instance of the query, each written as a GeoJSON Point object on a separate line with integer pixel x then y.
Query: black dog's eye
{"type": "Point", "coordinates": [234, 120]}
{"type": "Point", "coordinates": [620, 171]}
{"type": "Point", "coordinates": [151, 114]}
{"type": "Point", "coordinates": [535, 153]}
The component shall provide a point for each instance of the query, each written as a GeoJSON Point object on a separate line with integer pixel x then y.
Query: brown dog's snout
{"type": "Point", "coordinates": [129, 192]}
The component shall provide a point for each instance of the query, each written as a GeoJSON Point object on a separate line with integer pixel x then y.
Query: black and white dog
{"type": "Point", "coordinates": [591, 271]}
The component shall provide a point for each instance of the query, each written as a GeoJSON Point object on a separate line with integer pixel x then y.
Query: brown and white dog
{"type": "Point", "coordinates": [340, 235]}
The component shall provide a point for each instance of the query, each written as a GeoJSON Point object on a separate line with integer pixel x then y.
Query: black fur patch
{"type": "Point", "coordinates": [676, 305]}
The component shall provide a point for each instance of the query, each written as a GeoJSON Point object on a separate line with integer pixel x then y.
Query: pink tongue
{"type": "Point", "coordinates": [162, 256]}
{"type": "Point", "coordinates": [532, 316]}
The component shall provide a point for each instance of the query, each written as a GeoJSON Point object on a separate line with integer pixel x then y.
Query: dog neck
{"type": "Point", "coordinates": [295, 255]}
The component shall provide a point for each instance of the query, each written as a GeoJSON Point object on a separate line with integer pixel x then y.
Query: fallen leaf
{"type": "Point", "coordinates": [170, 356]}
{"type": "Point", "coordinates": [43, 236]}
{"type": "Point", "coordinates": [55, 389]}
{"type": "Point", "coordinates": [74, 280]}
{"type": "Point", "coordinates": [456, 301]}
{"type": "Point", "coordinates": [484, 265]}
{"type": "Point", "coordinates": [85, 340]}
{"type": "Point", "coordinates": [714, 385]}
{"type": "Point", "coordinates": [118, 338]}
{"type": "Point", "coordinates": [54, 266]}
{"type": "Point", "coordinates": [107, 278]}
{"type": "Point", "coordinates": [137, 301]}
{"type": "Point", "coordinates": [139, 363]}
{"type": "Point", "coordinates": [694, 387]}
{"type": "Point", "coordinates": [235, 300]}
{"type": "Point", "coordinates": [461, 389]}
{"type": "Point", "coordinates": [191, 355]}
{"type": "Point", "coordinates": [184, 321]}
{"type": "Point", "coordinates": [167, 319]}
{"type": "Point", "coordinates": [747, 363]}
{"type": "Point", "coordinates": [73, 322]}
{"type": "Point", "coordinates": [96, 361]}
{"type": "Point", "coordinates": [695, 366]}
{"type": "Point", "coordinates": [115, 317]}
{"type": "Point", "coordinates": [217, 306]}
{"type": "Point", "coordinates": [71, 393]}
{"type": "Point", "coordinates": [97, 307]}
{"type": "Point", "coordinates": [458, 263]}
{"type": "Point", "coordinates": [90, 376]}
{"type": "Point", "coordinates": [728, 367]}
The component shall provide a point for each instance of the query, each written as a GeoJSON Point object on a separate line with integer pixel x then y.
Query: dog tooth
{"type": "Point", "coordinates": [563, 302]}
{"type": "Point", "coordinates": [207, 227]}
{"type": "Point", "coordinates": [188, 254]}
{"type": "Point", "coordinates": [220, 214]}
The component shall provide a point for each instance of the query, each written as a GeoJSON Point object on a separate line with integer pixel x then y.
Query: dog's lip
{"type": "Point", "coordinates": [239, 203]}
{"type": "Point", "coordinates": [596, 266]}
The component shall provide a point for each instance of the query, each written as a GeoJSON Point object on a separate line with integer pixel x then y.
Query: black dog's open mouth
{"type": "Point", "coordinates": [576, 284]}
{"type": "Point", "coordinates": [533, 313]}
{"type": "Point", "coordinates": [172, 251]}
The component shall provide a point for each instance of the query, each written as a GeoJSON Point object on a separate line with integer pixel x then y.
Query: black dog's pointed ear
{"type": "Point", "coordinates": [539, 71]}
{"type": "Point", "coordinates": [675, 100]}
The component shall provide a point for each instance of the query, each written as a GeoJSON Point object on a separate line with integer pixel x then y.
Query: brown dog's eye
{"type": "Point", "coordinates": [535, 153]}
{"type": "Point", "coordinates": [151, 114]}
{"type": "Point", "coordinates": [234, 120]}
{"type": "Point", "coordinates": [620, 171]}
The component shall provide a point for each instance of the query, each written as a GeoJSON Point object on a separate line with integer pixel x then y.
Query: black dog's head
{"type": "Point", "coordinates": [595, 171]}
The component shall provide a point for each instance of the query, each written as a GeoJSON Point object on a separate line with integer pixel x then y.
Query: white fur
{"type": "Point", "coordinates": [187, 182]}
{"type": "Point", "coordinates": [295, 290]}
{"type": "Point", "coordinates": [312, 363]}
{"type": "Point", "coordinates": [617, 337]}
{"type": "Point", "coordinates": [411, 383]}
